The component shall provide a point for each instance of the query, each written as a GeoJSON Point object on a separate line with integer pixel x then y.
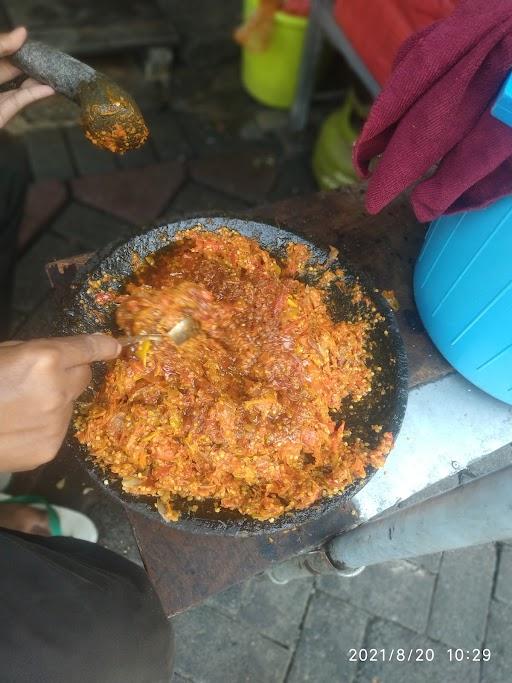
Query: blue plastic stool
{"type": "Point", "coordinates": [463, 286]}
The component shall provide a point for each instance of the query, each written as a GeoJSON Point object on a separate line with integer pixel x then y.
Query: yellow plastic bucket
{"type": "Point", "coordinates": [271, 76]}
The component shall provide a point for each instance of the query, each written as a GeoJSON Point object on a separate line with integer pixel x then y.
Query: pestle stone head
{"type": "Point", "coordinates": [110, 117]}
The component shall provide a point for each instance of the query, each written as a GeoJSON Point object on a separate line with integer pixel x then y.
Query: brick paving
{"type": "Point", "coordinates": [82, 199]}
{"type": "Point", "coordinates": [464, 586]}
{"type": "Point", "coordinates": [318, 622]}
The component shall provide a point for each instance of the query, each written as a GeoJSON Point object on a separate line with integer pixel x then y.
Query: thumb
{"type": "Point", "coordinates": [87, 348]}
{"type": "Point", "coordinates": [12, 41]}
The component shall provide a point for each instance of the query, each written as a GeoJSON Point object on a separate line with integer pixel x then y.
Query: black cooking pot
{"type": "Point", "coordinates": [384, 405]}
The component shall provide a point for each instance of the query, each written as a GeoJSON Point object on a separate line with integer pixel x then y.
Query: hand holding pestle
{"type": "Point", "coordinates": [110, 117]}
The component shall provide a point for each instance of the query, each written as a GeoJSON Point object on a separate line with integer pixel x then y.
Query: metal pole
{"type": "Point", "coordinates": [338, 38]}
{"type": "Point", "coordinates": [470, 514]}
{"type": "Point", "coordinates": [310, 55]}
{"type": "Point", "coordinates": [322, 22]}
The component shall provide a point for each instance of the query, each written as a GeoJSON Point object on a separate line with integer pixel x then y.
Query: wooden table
{"type": "Point", "coordinates": [187, 568]}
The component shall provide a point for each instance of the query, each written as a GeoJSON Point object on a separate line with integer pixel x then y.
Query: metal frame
{"type": "Point", "coordinates": [322, 25]}
{"type": "Point", "coordinates": [471, 514]}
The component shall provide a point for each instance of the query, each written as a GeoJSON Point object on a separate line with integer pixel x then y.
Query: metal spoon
{"type": "Point", "coordinates": [179, 333]}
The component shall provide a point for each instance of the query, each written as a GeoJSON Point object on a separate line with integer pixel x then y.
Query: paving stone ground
{"type": "Point", "coordinates": [259, 632]}
{"type": "Point", "coordinates": [339, 630]}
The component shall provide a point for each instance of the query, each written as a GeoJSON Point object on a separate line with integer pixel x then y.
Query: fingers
{"type": "Point", "coordinates": [11, 342]}
{"type": "Point", "coordinates": [78, 379]}
{"type": "Point", "coordinates": [12, 41]}
{"type": "Point", "coordinates": [40, 381]}
{"type": "Point", "coordinates": [31, 83]}
{"type": "Point", "coordinates": [15, 100]}
{"type": "Point", "coordinates": [85, 349]}
{"type": "Point", "coordinates": [26, 449]}
{"type": "Point", "coordinates": [8, 71]}
{"type": "Point", "coordinates": [63, 353]}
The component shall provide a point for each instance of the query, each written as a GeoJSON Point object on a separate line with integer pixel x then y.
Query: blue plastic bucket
{"type": "Point", "coordinates": [463, 291]}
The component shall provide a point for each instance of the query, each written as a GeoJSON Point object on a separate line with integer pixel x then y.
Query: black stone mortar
{"type": "Point", "coordinates": [384, 405]}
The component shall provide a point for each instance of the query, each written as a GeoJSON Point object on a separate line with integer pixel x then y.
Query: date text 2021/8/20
{"type": "Point", "coordinates": [417, 654]}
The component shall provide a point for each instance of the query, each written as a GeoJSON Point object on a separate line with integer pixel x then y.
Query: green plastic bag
{"type": "Point", "coordinates": [332, 155]}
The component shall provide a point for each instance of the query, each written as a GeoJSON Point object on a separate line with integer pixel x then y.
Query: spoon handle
{"type": "Point", "coordinates": [179, 333]}
{"type": "Point", "coordinates": [137, 338]}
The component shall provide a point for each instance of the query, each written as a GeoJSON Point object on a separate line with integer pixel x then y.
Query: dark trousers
{"type": "Point", "coordinates": [14, 179]}
{"type": "Point", "coordinates": [70, 611]}
{"type": "Point", "coordinates": [73, 612]}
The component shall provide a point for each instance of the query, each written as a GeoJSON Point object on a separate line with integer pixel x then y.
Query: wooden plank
{"type": "Point", "coordinates": [187, 568]}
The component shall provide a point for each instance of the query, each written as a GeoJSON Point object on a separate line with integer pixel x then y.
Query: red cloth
{"type": "Point", "coordinates": [376, 29]}
{"type": "Point", "coordinates": [435, 110]}
{"type": "Point", "coordinates": [299, 7]}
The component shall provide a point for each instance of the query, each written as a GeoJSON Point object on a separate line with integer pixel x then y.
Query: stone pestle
{"type": "Point", "coordinates": [110, 117]}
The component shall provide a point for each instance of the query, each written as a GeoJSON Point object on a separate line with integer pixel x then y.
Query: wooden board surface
{"type": "Point", "coordinates": [187, 568]}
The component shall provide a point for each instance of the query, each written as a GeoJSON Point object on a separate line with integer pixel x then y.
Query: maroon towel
{"type": "Point", "coordinates": [433, 117]}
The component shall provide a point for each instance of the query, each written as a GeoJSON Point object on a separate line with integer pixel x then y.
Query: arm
{"type": "Point", "coordinates": [40, 379]}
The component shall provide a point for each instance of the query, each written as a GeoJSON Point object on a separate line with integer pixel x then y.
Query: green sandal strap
{"type": "Point", "coordinates": [53, 517]}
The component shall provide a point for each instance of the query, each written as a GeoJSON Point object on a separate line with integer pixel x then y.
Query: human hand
{"type": "Point", "coordinates": [39, 380]}
{"type": "Point", "coordinates": [13, 101]}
